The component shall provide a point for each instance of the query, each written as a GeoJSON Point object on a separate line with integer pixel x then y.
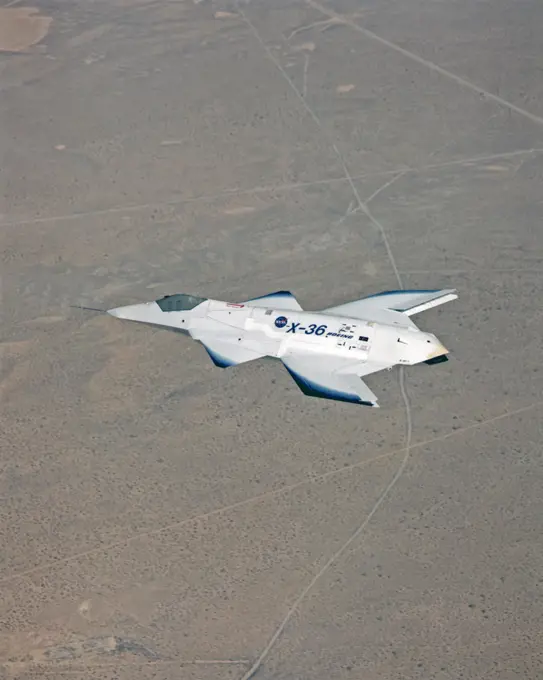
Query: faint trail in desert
{"type": "Point", "coordinates": [383, 187]}
{"type": "Point", "coordinates": [291, 186]}
{"type": "Point", "coordinates": [409, 425]}
{"type": "Point", "coordinates": [54, 669]}
{"type": "Point", "coordinates": [11, 4]}
{"type": "Point", "coordinates": [347, 21]}
{"type": "Point", "coordinates": [480, 270]}
{"type": "Point", "coordinates": [266, 495]}
{"type": "Point", "coordinates": [335, 557]}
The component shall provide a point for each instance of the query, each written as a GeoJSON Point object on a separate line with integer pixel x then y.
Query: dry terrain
{"type": "Point", "coordinates": [162, 518]}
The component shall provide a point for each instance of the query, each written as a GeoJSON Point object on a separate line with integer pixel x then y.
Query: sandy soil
{"type": "Point", "coordinates": [21, 27]}
{"type": "Point", "coordinates": [162, 518]}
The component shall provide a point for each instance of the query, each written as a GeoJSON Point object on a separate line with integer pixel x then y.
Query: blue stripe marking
{"type": "Point", "coordinates": [218, 359]}
{"type": "Point", "coordinates": [403, 292]}
{"type": "Point", "coordinates": [279, 293]}
{"type": "Point", "coordinates": [324, 392]}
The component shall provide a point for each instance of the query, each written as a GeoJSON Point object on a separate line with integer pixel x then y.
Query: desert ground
{"type": "Point", "coordinates": [163, 518]}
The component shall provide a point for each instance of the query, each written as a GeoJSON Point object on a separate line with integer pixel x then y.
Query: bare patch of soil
{"type": "Point", "coordinates": [21, 27]}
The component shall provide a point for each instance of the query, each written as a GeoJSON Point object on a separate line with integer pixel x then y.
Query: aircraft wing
{"type": "Point", "coordinates": [336, 378]}
{"type": "Point", "coordinates": [281, 299]}
{"type": "Point", "coordinates": [226, 351]}
{"type": "Point", "coordinates": [386, 305]}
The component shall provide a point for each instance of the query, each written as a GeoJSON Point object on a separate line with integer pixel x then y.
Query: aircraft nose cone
{"type": "Point", "coordinates": [138, 312]}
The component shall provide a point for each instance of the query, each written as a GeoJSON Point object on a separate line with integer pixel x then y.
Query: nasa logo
{"type": "Point", "coordinates": [281, 321]}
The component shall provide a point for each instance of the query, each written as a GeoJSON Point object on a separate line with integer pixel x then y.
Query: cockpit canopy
{"type": "Point", "coordinates": [179, 302]}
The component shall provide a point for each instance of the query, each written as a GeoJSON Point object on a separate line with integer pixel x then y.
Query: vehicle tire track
{"type": "Point", "coordinates": [409, 425]}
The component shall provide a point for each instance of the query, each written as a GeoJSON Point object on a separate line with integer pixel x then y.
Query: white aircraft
{"type": "Point", "coordinates": [326, 352]}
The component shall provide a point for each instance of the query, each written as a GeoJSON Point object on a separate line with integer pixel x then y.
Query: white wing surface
{"type": "Point", "coordinates": [385, 306]}
{"type": "Point", "coordinates": [227, 351]}
{"type": "Point", "coordinates": [281, 299]}
{"type": "Point", "coordinates": [337, 378]}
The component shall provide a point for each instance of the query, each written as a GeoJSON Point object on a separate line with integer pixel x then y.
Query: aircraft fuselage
{"type": "Point", "coordinates": [279, 332]}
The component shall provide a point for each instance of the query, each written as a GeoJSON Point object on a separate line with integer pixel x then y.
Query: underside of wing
{"type": "Point", "coordinates": [226, 352]}
{"type": "Point", "coordinates": [388, 304]}
{"type": "Point", "coordinates": [281, 299]}
{"type": "Point", "coordinates": [333, 378]}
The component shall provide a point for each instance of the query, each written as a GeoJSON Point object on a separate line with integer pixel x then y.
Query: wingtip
{"type": "Point", "coordinates": [372, 404]}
